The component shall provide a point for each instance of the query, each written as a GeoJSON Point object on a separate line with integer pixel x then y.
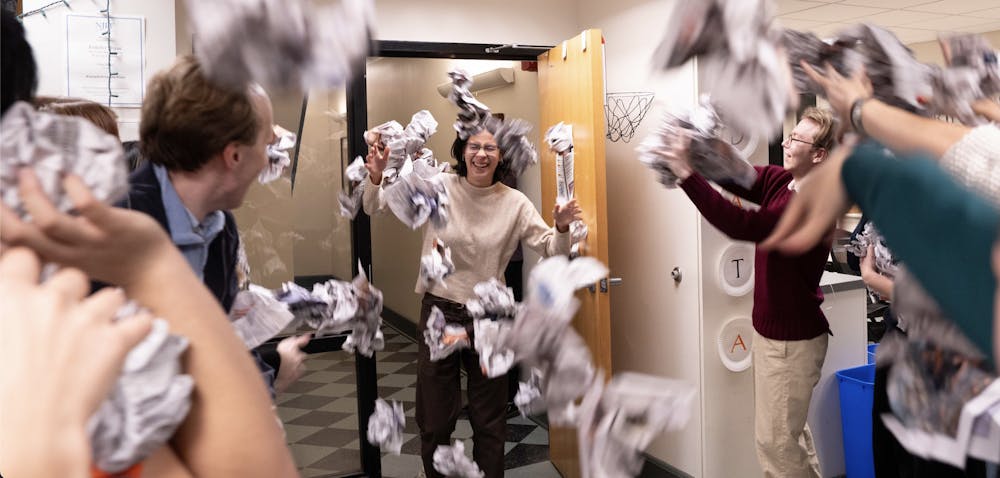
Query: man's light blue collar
{"type": "Point", "coordinates": [184, 226]}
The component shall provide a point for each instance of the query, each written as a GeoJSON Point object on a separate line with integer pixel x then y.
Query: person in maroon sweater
{"type": "Point", "coordinates": [791, 332]}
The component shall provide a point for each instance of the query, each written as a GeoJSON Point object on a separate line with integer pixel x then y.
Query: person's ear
{"type": "Point", "coordinates": [820, 155]}
{"type": "Point", "coordinates": [231, 155]}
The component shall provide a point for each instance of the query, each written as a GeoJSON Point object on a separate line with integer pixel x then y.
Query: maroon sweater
{"type": "Point", "coordinates": [786, 295]}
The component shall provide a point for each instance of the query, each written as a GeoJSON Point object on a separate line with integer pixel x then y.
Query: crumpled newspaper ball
{"type": "Point", "coordinates": [385, 427]}
{"type": "Point", "coordinates": [493, 301]}
{"type": "Point", "coordinates": [885, 261]}
{"type": "Point", "coordinates": [283, 44]}
{"type": "Point", "coordinates": [699, 131]}
{"type": "Point", "coordinates": [436, 266]}
{"type": "Point", "coordinates": [277, 155]}
{"type": "Point", "coordinates": [512, 139]}
{"type": "Point", "coordinates": [471, 112]}
{"type": "Point", "coordinates": [54, 145]}
{"type": "Point", "coordinates": [147, 403]}
{"type": "Point", "coordinates": [414, 200]}
{"type": "Point", "coordinates": [337, 306]}
{"type": "Point", "coordinates": [740, 57]}
{"type": "Point", "coordinates": [442, 338]}
{"type": "Point", "coordinates": [490, 339]}
{"type": "Point", "coordinates": [258, 316]}
{"type": "Point", "coordinates": [451, 461]}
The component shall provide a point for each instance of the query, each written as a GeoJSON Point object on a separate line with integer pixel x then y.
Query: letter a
{"type": "Point", "coordinates": [738, 342]}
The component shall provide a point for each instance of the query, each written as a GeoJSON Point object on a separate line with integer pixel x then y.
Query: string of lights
{"type": "Point", "coordinates": [107, 37]}
{"type": "Point", "coordinates": [106, 33]}
{"type": "Point", "coordinates": [41, 10]}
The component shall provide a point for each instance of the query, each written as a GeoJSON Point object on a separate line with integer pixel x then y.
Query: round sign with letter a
{"type": "Point", "coordinates": [735, 339]}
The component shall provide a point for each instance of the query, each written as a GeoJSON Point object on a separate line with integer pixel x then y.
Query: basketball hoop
{"type": "Point", "coordinates": [623, 113]}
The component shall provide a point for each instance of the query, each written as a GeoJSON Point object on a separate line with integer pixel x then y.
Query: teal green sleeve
{"type": "Point", "coordinates": [943, 232]}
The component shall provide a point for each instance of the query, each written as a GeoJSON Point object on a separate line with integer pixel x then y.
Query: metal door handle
{"type": "Point", "coordinates": [677, 275]}
{"type": "Point", "coordinates": [603, 283]}
{"type": "Point", "coordinates": [614, 281]}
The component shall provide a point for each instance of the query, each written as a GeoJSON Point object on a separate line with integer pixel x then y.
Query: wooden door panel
{"type": "Point", "coordinates": [571, 90]}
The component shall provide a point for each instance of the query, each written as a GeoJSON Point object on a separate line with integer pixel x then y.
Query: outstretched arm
{"type": "Point", "coordinates": [549, 241]}
{"type": "Point", "coordinates": [875, 281]}
{"type": "Point", "coordinates": [896, 128]}
{"type": "Point", "coordinates": [943, 232]}
{"type": "Point", "coordinates": [375, 163]}
{"type": "Point", "coordinates": [733, 221]}
{"type": "Point", "coordinates": [129, 249]}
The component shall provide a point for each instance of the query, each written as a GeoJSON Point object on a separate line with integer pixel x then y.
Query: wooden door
{"type": "Point", "coordinates": [571, 90]}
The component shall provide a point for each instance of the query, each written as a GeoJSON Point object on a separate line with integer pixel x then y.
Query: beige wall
{"type": "Point", "coordinates": [655, 322]}
{"type": "Point", "coordinates": [267, 218]}
{"type": "Point", "coordinates": [325, 247]}
{"type": "Point", "coordinates": [397, 88]}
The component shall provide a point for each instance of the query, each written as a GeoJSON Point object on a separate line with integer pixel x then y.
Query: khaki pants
{"type": "Point", "coordinates": [784, 374]}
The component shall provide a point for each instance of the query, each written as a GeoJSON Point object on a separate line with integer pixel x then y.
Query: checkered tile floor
{"type": "Point", "coordinates": [321, 422]}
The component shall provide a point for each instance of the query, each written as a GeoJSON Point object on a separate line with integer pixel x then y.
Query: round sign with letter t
{"type": "Point", "coordinates": [736, 269]}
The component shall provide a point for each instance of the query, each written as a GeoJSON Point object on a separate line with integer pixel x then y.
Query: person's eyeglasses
{"type": "Point", "coordinates": [789, 139]}
{"type": "Point", "coordinates": [489, 148]}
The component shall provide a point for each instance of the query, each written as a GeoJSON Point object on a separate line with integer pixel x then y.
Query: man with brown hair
{"type": "Point", "coordinates": [790, 330]}
{"type": "Point", "coordinates": [203, 146]}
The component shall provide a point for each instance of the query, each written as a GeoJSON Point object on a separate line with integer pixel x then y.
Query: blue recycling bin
{"type": "Point", "coordinates": [857, 392]}
{"type": "Point", "coordinates": [871, 353]}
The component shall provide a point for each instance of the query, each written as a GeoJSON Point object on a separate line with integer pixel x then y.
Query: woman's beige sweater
{"type": "Point", "coordinates": [483, 229]}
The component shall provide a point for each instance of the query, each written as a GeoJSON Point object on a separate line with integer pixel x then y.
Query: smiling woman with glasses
{"type": "Point", "coordinates": [487, 220]}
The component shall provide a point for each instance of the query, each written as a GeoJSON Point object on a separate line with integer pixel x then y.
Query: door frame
{"type": "Point", "coordinates": [361, 234]}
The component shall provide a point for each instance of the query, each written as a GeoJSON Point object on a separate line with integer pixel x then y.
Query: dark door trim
{"type": "Point", "coordinates": [357, 122]}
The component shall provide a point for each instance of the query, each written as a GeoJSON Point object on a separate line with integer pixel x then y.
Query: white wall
{"type": "Point", "coordinates": [47, 36]}
{"type": "Point", "coordinates": [655, 322]}
{"type": "Point", "coordinates": [527, 22]}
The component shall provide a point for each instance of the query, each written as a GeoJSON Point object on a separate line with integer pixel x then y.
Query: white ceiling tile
{"type": "Point", "coordinates": [955, 6]}
{"type": "Point", "coordinates": [989, 13]}
{"type": "Point", "coordinates": [948, 22]}
{"type": "Point", "coordinates": [800, 25]}
{"type": "Point", "coordinates": [992, 26]}
{"type": "Point", "coordinates": [834, 13]}
{"type": "Point", "coordinates": [887, 3]}
{"type": "Point", "coordinates": [897, 18]}
{"type": "Point", "coordinates": [828, 30]}
{"type": "Point", "coordinates": [790, 6]}
{"type": "Point", "coordinates": [912, 35]}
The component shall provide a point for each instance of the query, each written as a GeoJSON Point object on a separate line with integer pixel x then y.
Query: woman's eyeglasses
{"type": "Point", "coordinates": [475, 148]}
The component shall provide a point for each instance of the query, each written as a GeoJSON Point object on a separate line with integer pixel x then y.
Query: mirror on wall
{"type": "Point", "coordinates": [396, 89]}
{"type": "Point", "coordinates": [293, 231]}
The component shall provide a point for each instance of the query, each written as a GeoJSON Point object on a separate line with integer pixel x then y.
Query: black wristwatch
{"type": "Point", "coordinates": [856, 123]}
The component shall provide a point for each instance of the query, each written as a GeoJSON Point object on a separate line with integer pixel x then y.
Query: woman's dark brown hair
{"type": "Point", "coordinates": [491, 124]}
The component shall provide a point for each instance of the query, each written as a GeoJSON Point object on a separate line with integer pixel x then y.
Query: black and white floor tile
{"type": "Point", "coordinates": [321, 421]}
